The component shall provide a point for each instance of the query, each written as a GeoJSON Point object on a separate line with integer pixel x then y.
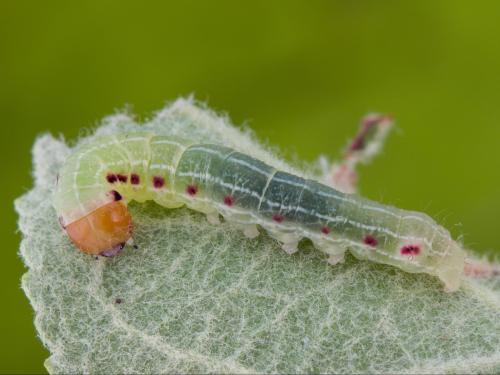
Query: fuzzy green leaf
{"type": "Point", "coordinates": [201, 298]}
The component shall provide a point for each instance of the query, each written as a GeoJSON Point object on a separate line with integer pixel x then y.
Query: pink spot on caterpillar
{"type": "Point", "coordinates": [410, 250]}
{"type": "Point", "coordinates": [192, 190]}
{"type": "Point", "coordinates": [278, 218]}
{"type": "Point", "coordinates": [116, 195]}
{"type": "Point", "coordinates": [370, 241]}
{"type": "Point", "coordinates": [325, 230]}
{"type": "Point", "coordinates": [111, 178]}
{"type": "Point", "coordinates": [122, 177]}
{"type": "Point", "coordinates": [158, 182]}
{"type": "Point", "coordinates": [228, 200]}
{"type": "Point", "coordinates": [134, 179]}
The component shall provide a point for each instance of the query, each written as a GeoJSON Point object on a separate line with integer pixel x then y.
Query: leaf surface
{"type": "Point", "coordinates": [201, 298]}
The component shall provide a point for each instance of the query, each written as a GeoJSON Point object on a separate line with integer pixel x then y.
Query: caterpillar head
{"type": "Point", "coordinates": [104, 231]}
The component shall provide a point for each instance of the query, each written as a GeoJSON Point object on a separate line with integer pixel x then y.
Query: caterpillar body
{"type": "Point", "coordinates": [97, 181]}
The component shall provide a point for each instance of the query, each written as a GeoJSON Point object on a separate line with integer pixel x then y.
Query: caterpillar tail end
{"type": "Point", "coordinates": [104, 231]}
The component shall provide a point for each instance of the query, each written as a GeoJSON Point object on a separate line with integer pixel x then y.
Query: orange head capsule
{"type": "Point", "coordinates": [104, 231]}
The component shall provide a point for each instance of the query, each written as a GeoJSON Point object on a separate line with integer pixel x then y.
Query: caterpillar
{"type": "Point", "coordinates": [98, 180]}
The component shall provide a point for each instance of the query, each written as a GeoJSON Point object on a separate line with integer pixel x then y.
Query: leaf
{"type": "Point", "coordinates": [200, 298]}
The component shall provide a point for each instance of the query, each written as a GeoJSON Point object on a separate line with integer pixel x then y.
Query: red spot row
{"type": "Point", "coordinates": [122, 177]}
{"type": "Point", "coordinates": [192, 190]}
{"type": "Point", "coordinates": [278, 218]}
{"type": "Point", "coordinates": [135, 179]}
{"type": "Point", "coordinates": [158, 182]}
{"type": "Point", "coordinates": [410, 250]}
{"type": "Point", "coordinates": [112, 178]}
{"type": "Point", "coordinates": [228, 200]}
{"type": "Point", "coordinates": [370, 241]}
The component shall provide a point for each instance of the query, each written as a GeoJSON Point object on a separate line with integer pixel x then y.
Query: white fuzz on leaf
{"type": "Point", "coordinates": [198, 298]}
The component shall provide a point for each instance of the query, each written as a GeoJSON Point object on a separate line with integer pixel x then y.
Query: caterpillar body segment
{"type": "Point", "coordinates": [98, 179]}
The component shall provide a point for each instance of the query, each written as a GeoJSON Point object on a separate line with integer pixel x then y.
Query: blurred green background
{"type": "Point", "coordinates": [300, 73]}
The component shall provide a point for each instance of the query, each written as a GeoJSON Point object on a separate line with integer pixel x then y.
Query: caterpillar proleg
{"type": "Point", "coordinates": [99, 178]}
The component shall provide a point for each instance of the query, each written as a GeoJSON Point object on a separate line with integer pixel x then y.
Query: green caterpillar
{"type": "Point", "coordinates": [99, 178]}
